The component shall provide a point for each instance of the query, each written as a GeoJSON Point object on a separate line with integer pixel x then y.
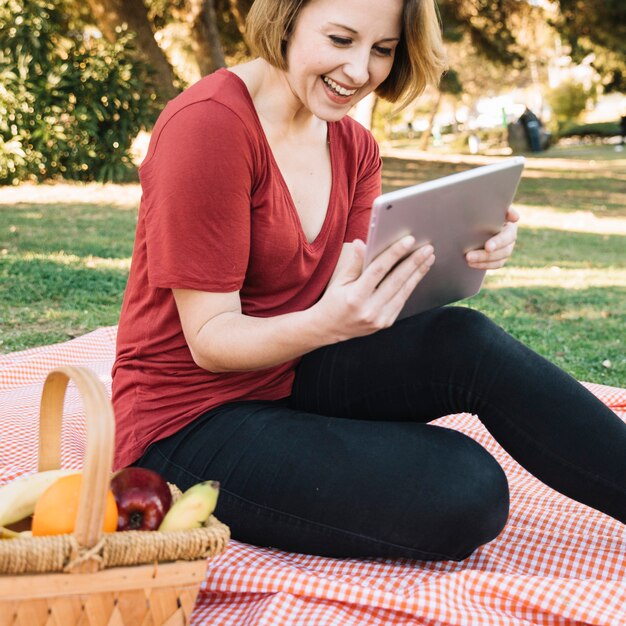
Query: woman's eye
{"type": "Point", "coordinates": [340, 41]}
{"type": "Point", "coordinates": [382, 51]}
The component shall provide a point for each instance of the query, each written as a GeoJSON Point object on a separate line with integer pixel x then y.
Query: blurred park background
{"type": "Point", "coordinates": [82, 82]}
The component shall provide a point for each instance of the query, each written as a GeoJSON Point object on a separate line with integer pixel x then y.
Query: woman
{"type": "Point", "coordinates": [256, 350]}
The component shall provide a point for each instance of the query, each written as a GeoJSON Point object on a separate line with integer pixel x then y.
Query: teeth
{"type": "Point", "coordinates": [335, 87]}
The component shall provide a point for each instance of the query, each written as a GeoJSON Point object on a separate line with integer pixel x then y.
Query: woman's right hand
{"type": "Point", "coordinates": [360, 301]}
{"type": "Point", "coordinates": [356, 302]}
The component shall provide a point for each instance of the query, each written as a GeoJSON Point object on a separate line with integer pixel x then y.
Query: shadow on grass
{"type": "Point", "coordinates": [33, 280]}
{"type": "Point", "coordinates": [398, 173]}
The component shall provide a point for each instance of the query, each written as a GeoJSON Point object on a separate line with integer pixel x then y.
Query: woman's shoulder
{"type": "Point", "coordinates": [215, 111]}
{"type": "Point", "coordinates": [219, 98]}
{"type": "Point", "coordinates": [354, 140]}
{"type": "Point", "coordinates": [352, 132]}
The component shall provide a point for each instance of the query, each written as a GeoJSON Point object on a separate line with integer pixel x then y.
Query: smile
{"type": "Point", "coordinates": [338, 89]}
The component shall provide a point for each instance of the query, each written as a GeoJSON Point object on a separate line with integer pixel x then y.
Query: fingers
{"type": "Point", "coordinates": [376, 271]}
{"type": "Point", "coordinates": [504, 238]}
{"type": "Point", "coordinates": [418, 266]}
{"type": "Point", "coordinates": [377, 297]}
{"type": "Point", "coordinates": [482, 260]}
{"type": "Point", "coordinates": [350, 264]}
{"type": "Point", "coordinates": [398, 285]}
{"type": "Point", "coordinates": [512, 215]}
{"type": "Point", "coordinates": [497, 249]}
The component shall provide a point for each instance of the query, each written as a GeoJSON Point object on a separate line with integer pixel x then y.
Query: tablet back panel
{"type": "Point", "coordinates": [455, 214]}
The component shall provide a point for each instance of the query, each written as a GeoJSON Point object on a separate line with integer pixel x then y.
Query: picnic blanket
{"type": "Point", "coordinates": [556, 563]}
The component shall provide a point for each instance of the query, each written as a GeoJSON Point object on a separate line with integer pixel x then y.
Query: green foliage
{"type": "Point", "coordinates": [597, 129]}
{"type": "Point", "coordinates": [602, 22]}
{"type": "Point", "coordinates": [451, 83]}
{"type": "Point", "coordinates": [567, 101]}
{"type": "Point", "coordinates": [597, 27]}
{"type": "Point", "coordinates": [70, 103]}
{"type": "Point", "coordinates": [486, 22]}
{"type": "Point", "coordinates": [164, 12]}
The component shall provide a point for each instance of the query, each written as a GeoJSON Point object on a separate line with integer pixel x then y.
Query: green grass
{"type": "Point", "coordinates": [63, 270]}
{"type": "Point", "coordinates": [544, 247]}
{"type": "Point", "coordinates": [65, 254]}
{"type": "Point", "coordinates": [581, 330]}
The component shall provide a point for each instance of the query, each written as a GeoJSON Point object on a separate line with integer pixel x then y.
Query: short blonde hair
{"type": "Point", "coordinates": [419, 60]}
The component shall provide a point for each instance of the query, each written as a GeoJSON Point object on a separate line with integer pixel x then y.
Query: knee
{"type": "Point", "coordinates": [478, 507]}
{"type": "Point", "coordinates": [473, 506]}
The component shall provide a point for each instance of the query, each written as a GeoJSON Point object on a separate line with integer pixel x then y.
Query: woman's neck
{"type": "Point", "coordinates": [277, 106]}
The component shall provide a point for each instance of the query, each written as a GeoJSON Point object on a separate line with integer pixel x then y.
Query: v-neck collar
{"type": "Point", "coordinates": [330, 126]}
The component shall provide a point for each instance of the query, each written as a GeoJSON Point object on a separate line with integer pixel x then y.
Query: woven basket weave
{"type": "Point", "coordinates": [126, 578]}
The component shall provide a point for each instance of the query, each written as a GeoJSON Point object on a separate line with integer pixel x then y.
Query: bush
{"type": "Point", "coordinates": [567, 102]}
{"type": "Point", "coordinates": [597, 129]}
{"type": "Point", "coordinates": [70, 104]}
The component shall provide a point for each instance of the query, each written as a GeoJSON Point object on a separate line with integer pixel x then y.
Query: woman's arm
{"type": "Point", "coordinates": [357, 302]}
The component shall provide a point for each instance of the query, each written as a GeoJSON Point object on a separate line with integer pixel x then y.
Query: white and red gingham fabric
{"type": "Point", "coordinates": [557, 563]}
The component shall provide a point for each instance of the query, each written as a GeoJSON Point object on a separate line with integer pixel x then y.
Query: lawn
{"type": "Point", "coordinates": [65, 254]}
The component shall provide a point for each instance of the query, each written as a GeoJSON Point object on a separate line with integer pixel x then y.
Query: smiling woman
{"type": "Point", "coordinates": [419, 55]}
{"type": "Point", "coordinates": [255, 348]}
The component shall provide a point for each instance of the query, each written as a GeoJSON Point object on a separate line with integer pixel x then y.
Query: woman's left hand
{"type": "Point", "coordinates": [498, 249]}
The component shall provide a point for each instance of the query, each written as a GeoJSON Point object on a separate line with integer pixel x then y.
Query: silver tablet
{"type": "Point", "coordinates": [455, 214]}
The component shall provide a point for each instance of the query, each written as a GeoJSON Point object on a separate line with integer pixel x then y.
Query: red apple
{"type": "Point", "coordinates": [143, 498]}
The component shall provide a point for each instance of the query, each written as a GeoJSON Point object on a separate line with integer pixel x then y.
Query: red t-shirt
{"type": "Point", "coordinates": [216, 216]}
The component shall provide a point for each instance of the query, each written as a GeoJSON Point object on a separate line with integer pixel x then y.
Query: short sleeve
{"type": "Point", "coordinates": [368, 187]}
{"type": "Point", "coordinates": [197, 185]}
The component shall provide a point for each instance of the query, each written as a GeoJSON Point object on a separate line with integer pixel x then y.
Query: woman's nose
{"type": "Point", "coordinates": [357, 68]}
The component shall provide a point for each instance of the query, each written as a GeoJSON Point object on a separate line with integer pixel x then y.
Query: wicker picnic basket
{"type": "Point", "coordinates": [126, 578]}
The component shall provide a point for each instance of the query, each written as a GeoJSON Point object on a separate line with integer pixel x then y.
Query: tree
{"type": "Point", "coordinates": [597, 27]}
{"type": "Point", "coordinates": [205, 36]}
{"type": "Point", "coordinates": [600, 22]}
{"type": "Point", "coordinates": [487, 24]}
{"type": "Point", "coordinates": [203, 21]}
{"type": "Point", "coordinates": [70, 104]}
{"type": "Point", "coordinates": [110, 16]}
{"type": "Point", "coordinates": [568, 101]}
{"type": "Point", "coordinates": [475, 28]}
{"type": "Point", "coordinates": [450, 84]}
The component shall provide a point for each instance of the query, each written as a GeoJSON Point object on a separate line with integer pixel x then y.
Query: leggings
{"type": "Point", "coordinates": [348, 466]}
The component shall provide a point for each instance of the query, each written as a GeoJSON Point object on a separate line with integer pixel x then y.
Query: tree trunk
{"type": "Point", "coordinates": [205, 38]}
{"type": "Point", "coordinates": [239, 14]}
{"type": "Point", "coordinates": [423, 145]}
{"type": "Point", "coordinates": [240, 20]}
{"type": "Point", "coordinates": [110, 14]}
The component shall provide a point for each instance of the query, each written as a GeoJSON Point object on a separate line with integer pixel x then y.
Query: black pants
{"type": "Point", "coordinates": [349, 466]}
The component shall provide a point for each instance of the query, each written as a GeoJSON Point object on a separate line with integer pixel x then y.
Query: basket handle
{"type": "Point", "coordinates": [100, 441]}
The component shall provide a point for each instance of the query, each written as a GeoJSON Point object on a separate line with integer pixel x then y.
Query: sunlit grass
{"type": "Point", "coordinates": [555, 277]}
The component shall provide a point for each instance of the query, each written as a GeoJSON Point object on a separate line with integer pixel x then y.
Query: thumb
{"type": "Point", "coordinates": [350, 264]}
{"type": "Point", "coordinates": [512, 215]}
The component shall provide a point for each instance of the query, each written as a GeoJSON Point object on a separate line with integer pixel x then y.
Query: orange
{"type": "Point", "coordinates": [57, 507]}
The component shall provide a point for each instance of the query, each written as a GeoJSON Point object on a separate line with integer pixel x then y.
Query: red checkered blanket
{"type": "Point", "coordinates": [556, 563]}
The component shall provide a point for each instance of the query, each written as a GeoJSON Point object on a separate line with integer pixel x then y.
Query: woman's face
{"type": "Point", "coordinates": [340, 51]}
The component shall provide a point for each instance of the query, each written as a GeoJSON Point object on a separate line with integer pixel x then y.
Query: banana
{"type": "Point", "coordinates": [193, 508]}
{"type": "Point", "coordinates": [7, 533]}
{"type": "Point", "coordinates": [18, 498]}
